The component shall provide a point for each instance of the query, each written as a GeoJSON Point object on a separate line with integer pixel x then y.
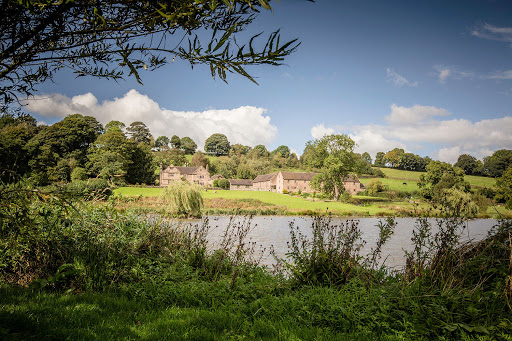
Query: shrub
{"type": "Point", "coordinates": [375, 186]}
{"type": "Point", "coordinates": [285, 191]}
{"type": "Point", "coordinates": [78, 173]}
{"type": "Point", "coordinates": [89, 190]}
{"type": "Point", "coordinates": [183, 198]}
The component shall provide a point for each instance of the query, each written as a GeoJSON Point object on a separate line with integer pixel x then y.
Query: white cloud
{"type": "Point", "coordinates": [398, 80]}
{"type": "Point", "coordinates": [449, 155]}
{"type": "Point", "coordinates": [246, 125]}
{"type": "Point", "coordinates": [491, 32]}
{"type": "Point", "coordinates": [318, 131]}
{"type": "Point", "coordinates": [501, 75]}
{"type": "Point", "coordinates": [443, 75]}
{"type": "Point", "coordinates": [415, 114]}
{"type": "Point", "coordinates": [421, 127]}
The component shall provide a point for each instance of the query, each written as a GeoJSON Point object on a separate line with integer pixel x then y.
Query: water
{"type": "Point", "coordinates": [274, 231]}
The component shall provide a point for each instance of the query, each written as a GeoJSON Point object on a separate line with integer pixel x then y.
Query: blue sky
{"type": "Point", "coordinates": [432, 77]}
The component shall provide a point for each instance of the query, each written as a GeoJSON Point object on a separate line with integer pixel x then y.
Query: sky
{"type": "Point", "coordinates": [433, 77]}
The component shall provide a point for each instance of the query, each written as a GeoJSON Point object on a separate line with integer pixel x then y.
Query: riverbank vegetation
{"type": "Point", "coordinates": [74, 270]}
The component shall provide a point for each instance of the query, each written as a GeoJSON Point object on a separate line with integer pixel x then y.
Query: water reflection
{"type": "Point", "coordinates": [274, 231]}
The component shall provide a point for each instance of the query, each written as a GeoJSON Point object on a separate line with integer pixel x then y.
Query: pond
{"type": "Point", "coordinates": [274, 231]}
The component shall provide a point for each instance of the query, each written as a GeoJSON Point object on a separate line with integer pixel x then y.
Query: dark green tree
{"type": "Point", "coordinates": [111, 38]}
{"type": "Point", "coordinates": [367, 157]}
{"type": "Point", "coordinates": [393, 157]}
{"type": "Point", "coordinates": [139, 132]}
{"type": "Point", "coordinates": [188, 145]}
{"type": "Point", "coordinates": [468, 163]}
{"type": "Point", "coordinates": [217, 144]}
{"type": "Point", "coordinates": [239, 150]}
{"type": "Point", "coordinates": [175, 142]}
{"type": "Point", "coordinates": [15, 132]}
{"type": "Point", "coordinates": [496, 164]}
{"type": "Point", "coordinates": [283, 150]}
{"type": "Point", "coordinates": [379, 159]}
{"type": "Point", "coordinates": [57, 149]}
{"type": "Point", "coordinates": [162, 143]}
{"type": "Point", "coordinates": [173, 156]}
{"type": "Point", "coordinates": [504, 188]}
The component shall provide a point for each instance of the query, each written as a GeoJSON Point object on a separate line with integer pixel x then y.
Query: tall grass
{"type": "Point", "coordinates": [143, 277]}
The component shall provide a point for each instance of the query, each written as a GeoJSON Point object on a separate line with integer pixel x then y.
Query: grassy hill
{"type": "Point", "coordinates": [409, 177]}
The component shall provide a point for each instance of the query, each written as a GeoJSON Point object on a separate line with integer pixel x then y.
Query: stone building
{"type": "Point", "coordinates": [353, 185]}
{"type": "Point", "coordinates": [265, 182]}
{"type": "Point", "coordinates": [196, 175]}
{"type": "Point", "coordinates": [294, 182]}
{"type": "Point", "coordinates": [213, 178]}
{"type": "Point", "coordinates": [240, 184]}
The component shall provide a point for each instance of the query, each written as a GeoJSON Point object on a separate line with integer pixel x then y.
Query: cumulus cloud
{"type": "Point", "coordinates": [398, 80]}
{"type": "Point", "coordinates": [422, 127]}
{"type": "Point", "coordinates": [415, 114]}
{"type": "Point", "coordinates": [318, 131]}
{"type": "Point", "coordinates": [491, 32]}
{"type": "Point", "coordinates": [246, 125]}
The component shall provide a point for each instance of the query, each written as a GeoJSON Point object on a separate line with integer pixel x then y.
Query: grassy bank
{"type": "Point", "coordinates": [120, 276]}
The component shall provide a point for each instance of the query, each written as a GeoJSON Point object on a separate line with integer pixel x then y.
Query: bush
{"type": "Point", "coordinates": [89, 190]}
{"type": "Point", "coordinates": [375, 186]}
{"type": "Point", "coordinates": [285, 191]}
{"type": "Point", "coordinates": [78, 173]}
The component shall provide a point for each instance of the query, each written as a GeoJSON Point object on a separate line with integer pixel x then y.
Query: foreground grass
{"type": "Point", "coordinates": [127, 277]}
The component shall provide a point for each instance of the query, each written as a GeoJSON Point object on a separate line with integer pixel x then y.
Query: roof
{"type": "Point", "coordinates": [217, 176]}
{"type": "Point", "coordinates": [185, 170]}
{"type": "Point", "coordinates": [298, 176]}
{"type": "Point", "coordinates": [240, 182]}
{"type": "Point", "coordinates": [351, 178]}
{"type": "Point", "coordinates": [264, 177]}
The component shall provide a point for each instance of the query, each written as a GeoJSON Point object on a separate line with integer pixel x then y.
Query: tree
{"type": "Point", "coordinates": [188, 145]}
{"type": "Point", "coordinates": [115, 125]}
{"type": "Point", "coordinates": [58, 148]}
{"type": "Point", "coordinates": [258, 151]}
{"type": "Point", "coordinates": [393, 157]}
{"type": "Point", "coordinates": [367, 157]}
{"type": "Point", "coordinates": [283, 150]}
{"type": "Point", "coordinates": [175, 142]}
{"type": "Point", "coordinates": [504, 188]}
{"type": "Point", "coordinates": [108, 38]}
{"type": "Point", "coordinates": [468, 163]}
{"type": "Point", "coordinates": [379, 159]}
{"type": "Point", "coordinates": [15, 132]}
{"type": "Point", "coordinates": [217, 144]}
{"type": "Point", "coordinates": [199, 159]}
{"type": "Point", "coordinates": [239, 150]}
{"type": "Point", "coordinates": [225, 166]}
{"type": "Point", "coordinates": [183, 198]}
{"type": "Point", "coordinates": [162, 143]}
{"type": "Point", "coordinates": [173, 156]}
{"type": "Point", "coordinates": [498, 162]}
{"type": "Point", "coordinates": [441, 176]}
{"type": "Point", "coordinates": [244, 171]}
{"type": "Point", "coordinates": [139, 132]}
{"type": "Point", "coordinates": [334, 156]}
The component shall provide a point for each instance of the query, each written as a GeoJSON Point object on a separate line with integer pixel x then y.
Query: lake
{"type": "Point", "coordinates": [274, 231]}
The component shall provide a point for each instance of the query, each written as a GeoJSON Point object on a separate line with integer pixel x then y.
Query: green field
{"type": "Point", "coordinates": [291, 203]}
{"type": "Point", "coordinates": [397, 174]}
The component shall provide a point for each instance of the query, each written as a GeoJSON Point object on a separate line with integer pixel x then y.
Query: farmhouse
{"type": "Point", "coordinates": [353, 185]}
{"type": "Point", "coordinates": [240, 184]}
{"type": "Point", "coordinates": [294, 182]}
{"type": "Point", "coordinates": [265, 182]}
{"type": "Point", "coordinates": [298, 181]}
{"type": "Point", "coordinates": [196, 175]}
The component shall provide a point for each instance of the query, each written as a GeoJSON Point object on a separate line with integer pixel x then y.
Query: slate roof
{"type": "Point", "coordinates": [217, 176]}
{"type": "Point", "coordinates": [351, 178]}
{"type": "Point", "coordinates": [240, 182]}
{"type": "Point", "coordinates": [264, 177]}
{"type": "Point", "coordinates": [298, 176]}
{"type": "Point", "coordinates": [186, 170]}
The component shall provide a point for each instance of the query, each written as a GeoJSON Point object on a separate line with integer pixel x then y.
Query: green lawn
{"type": "Point", "coordinates": [396, 184]}
{"type": "Point", "coordinates": [292, 203]}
